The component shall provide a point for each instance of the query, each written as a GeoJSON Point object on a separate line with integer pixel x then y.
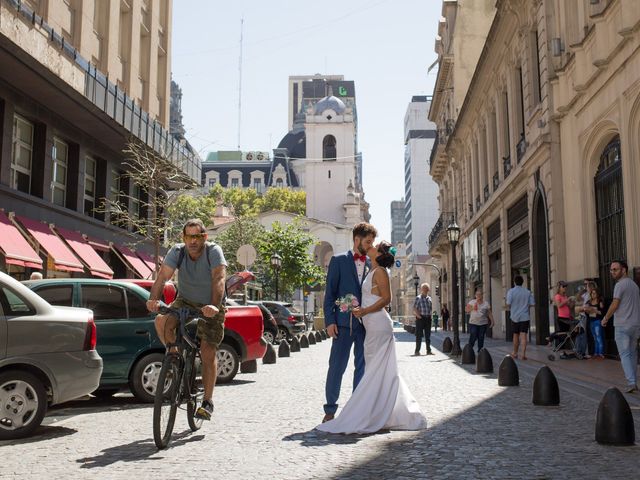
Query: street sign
{"type": "Point", "coordinates": [246, 255]}
{"type": "Point", "coordinates": [398, 263]}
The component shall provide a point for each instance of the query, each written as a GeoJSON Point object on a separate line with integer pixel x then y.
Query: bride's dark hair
{"type": "Point", "coordinates": [386, 259]}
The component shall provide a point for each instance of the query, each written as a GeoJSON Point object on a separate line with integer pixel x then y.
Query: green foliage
{"type": "Point", "coordinates": [292, 243]}
{"type": "Point", "coordinates": [285, 199]}
{"type": "Point", "coordinates": [241, 232]}
{"type": "Point", "coordinates": [248, 202]}
{"type": "Point", "coordinates": [185, 207]}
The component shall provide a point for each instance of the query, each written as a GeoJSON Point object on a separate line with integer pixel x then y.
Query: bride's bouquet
{"type": "Point", "coordinates": [347, 304]}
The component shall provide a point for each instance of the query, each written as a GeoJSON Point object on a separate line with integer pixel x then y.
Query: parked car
{"type": "Point", "coordinates": [47, 356]}
{"type": "Point", "coordinates": [242, 333]}
{"type": "Point", "coordinates": [270, 326]}
{"type": "Point", "coordinates": [290, 321]}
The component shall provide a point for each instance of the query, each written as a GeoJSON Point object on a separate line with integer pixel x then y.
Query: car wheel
{"type": "Point", "coordinates": [269, 337]}
{"type": "Point", "coordinates": [144, 377]}
{"type": "Point", "coordinates": [228, 363]}
{"type": "Point", "coordinates": [23, 403]}
{"type": "Point", "coordinates": [283, 333]}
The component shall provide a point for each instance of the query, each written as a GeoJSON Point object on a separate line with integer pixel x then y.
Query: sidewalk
{"type": "Point", "coordinates": [584, 377]}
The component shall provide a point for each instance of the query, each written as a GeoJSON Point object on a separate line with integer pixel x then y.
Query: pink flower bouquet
{"type": "Point", "coordinates": [347, 303]}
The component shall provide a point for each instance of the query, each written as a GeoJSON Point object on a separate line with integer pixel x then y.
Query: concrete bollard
{"type": "Point", "coordinates": [269, 356]}
{"type": "Point", "coordinates": [295, 345]}
{"type": "Point", "coordinates": [508, 373]}
{"type": "Point", "coordinates": [318, 337]}
{"type": "Point", "coordinates": [283, 349]}
{"type": "Point", "coordinates": [614, 421]}
{"type": "Point", "coordinates": [310, 337]}
{"type": "Point", "coordinates": [484, 363]}
{"type": "Point", "coordinates": [468, 355]}
{"type": "Point", "coordinates": [545, 388]}
{"type": "Point", "coordinates": [447, 345]}
{"type": "Point", "coordinates": [304, 341]}
{"type": "Point", "coordinates": [250, 366]}
{"type": "Point", "coordinates": [324, 334]}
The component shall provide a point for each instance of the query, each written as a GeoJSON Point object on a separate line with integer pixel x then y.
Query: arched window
{"type": "Point", "coordinates": [329, 148]}
{"type": "Point", "coordinates": [279, 183]}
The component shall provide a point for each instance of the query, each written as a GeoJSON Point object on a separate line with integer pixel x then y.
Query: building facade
{"type": "Point", "coordinates": [538, 165]}
{"type": "Point", "coordinates": [398, 227]}
{"type": "Point", "coordinates": [421, 192]}
{"type": "Point", "coordinates": [79, 79]}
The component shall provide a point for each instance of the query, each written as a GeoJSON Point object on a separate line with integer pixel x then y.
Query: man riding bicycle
{"type": "Point", "coordinates": [201, 280]}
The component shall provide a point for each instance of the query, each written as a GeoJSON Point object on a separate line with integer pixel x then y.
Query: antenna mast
{"type": "Point", "coordinates": [240, 83]}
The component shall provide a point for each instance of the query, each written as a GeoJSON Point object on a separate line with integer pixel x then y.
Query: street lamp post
{"type": "Point", "coordinates": [416, 282]}
{"type": "Point", "coordinates": [276, 263]}
{"type": "Point", "coordinates": [453, 232]}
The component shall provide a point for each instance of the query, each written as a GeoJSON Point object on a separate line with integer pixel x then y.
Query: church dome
{"type": "Point", "coordinates": [330, 103]}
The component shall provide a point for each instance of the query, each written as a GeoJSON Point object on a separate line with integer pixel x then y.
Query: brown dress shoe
{"type": "Point", "coordinates": [327, 417]}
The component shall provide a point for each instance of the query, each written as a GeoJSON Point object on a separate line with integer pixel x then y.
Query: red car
{"type": "Point", "coordinates": [243, 328]}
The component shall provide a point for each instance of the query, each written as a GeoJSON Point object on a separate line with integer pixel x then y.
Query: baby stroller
{"type": "Point", "coordinates": [568, 341]}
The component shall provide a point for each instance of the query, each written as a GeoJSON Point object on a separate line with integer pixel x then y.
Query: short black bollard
{"type": "Point", "coordinates": [295, 345]}
{"type": "Point", "coordinates": [318, 337]}
{"type": "Point", "coordinates": [484, 364]}
{"type": "Point", "coordinates": [311, 337]}
{"type": "Point", "coordinates": [324, 334]}
{"type": "Point", "coordinates": [447, 345]}
{"type": "Point", "coordinates": [304, 341]}
{"type": "Point", "coordinates": [545, 388]}
{"type": "Point", "coordinates": [270, 355]}
{"type": "Point", "coordinates": [250, 366]}
{"type": "Point", "coordinates": [614, 421]}
{"type": "Point", "coordinates": [283, 349]}
{"type": "Point", "coordinates": [468, 355]}
{"type": "Point", "coordinates": [508, 373]}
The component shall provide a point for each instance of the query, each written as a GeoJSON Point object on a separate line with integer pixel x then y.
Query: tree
{"type": "Point", "coordinates": [292, 243]}
{"type": "Point", "coordinates": [155, 180]}
{"type": "Point", "coordinates": [284, 199]}
{"type": "Point", "coordinates": [248, 202]}
{"type": "Point", "coordinates": [243, 231]}
{"type": "Point", "coordinates": [185, 207]}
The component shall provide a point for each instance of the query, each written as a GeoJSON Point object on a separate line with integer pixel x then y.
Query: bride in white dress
{"type": "Point", "coordinates": [382, 400]}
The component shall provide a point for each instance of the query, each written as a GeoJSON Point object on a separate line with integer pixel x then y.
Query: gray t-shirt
{"type": "Point", "coordinates": [628, 312]}
{"type": "Point", "coordinates": [479, 314]}
{"type": "Point", "coordinates": [194, 277]}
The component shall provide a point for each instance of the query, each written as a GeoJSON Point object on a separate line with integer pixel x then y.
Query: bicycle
{"type": "Point", "coordinates": [178, 379]}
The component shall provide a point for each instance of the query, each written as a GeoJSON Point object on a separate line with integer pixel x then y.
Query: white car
{"type": "Point", "coordinates": [47, 356]}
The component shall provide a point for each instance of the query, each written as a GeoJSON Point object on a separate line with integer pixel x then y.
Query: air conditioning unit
{"type": "Point", "coordinates": [260, 156]}
{"type": "Point", "coordinates": [249, 156]}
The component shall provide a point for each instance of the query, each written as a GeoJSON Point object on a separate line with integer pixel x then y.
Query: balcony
{"type": "Point", "coordinates": [496, 181]}
{"type": "Point", "coordinates": [506, 165]}
{"type": "Point", "coordinates": [521, 148]}
{"type": "Point", "coordinates": [486, 193]}
{"type": "Point", "coordinates": [440, 226]}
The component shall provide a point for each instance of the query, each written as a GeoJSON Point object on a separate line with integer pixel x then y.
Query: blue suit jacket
{"type": "Point", "coordinates": [342, 278]}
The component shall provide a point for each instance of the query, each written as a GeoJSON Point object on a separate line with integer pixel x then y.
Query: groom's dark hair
{"type": "Point", "coordinates": [364, 229]}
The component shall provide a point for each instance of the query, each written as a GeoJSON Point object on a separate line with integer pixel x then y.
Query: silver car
{"type": "Point", "coordinates": [47, 356]}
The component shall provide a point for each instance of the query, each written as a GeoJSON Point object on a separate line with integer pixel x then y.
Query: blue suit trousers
{"type": "Point", "coordinates": [339, 359]}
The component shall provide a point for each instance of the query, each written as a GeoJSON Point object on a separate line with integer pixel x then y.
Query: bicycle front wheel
{"type": "Point", "coordinates": [167, 399]}
{"type": "Point", "coordinates": [196, 391]}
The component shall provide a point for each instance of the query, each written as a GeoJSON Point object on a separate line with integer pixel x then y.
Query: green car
{"type": "Point", "coordinates": [127, 341]}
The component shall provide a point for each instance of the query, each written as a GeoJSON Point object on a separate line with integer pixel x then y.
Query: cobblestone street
{"type": "Point", "coordinates": [263, 428]}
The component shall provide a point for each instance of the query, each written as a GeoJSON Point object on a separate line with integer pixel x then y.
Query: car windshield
{"type": "Point", "coordinates": [291, 308]}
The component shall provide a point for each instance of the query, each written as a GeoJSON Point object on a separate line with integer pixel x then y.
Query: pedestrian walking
{"type": "Point", "coordinates": [436, 320]}
{"type": "Point", "coordinates": [594, 309]}
{"type": "Point", "coordinates": [519, 301]}
{"type": "Point", "coordinates": [625, 310]}
{"type": "Point", "coordinates": [422, 308]}
{"type": "Point", "coordinates": [444, 313]}
{"type": "Point", "coordinates": [480, 318]}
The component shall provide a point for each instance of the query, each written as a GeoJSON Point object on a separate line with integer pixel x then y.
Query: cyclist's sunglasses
{"type": "Point", "coordinates": [194, 236]}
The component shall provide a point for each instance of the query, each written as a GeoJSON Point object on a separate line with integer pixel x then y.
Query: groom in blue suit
{"type": "Point", "coordinates": [346, 274]}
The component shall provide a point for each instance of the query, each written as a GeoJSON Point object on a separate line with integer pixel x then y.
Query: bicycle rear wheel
{"type": "Point", "coordinates": [167, 399]}
{"type": "Point", "coordinates": [196, 392]}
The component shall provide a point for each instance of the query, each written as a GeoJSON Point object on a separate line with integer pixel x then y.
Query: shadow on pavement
{"type": "Point", "coordinates": [315, 438]}
{"type": "Point", "coordinates": [43, 432]}
{"type": "Point", "coordinates": [136, 451]}
{"type": "Point", "coordinates": [234, 382]}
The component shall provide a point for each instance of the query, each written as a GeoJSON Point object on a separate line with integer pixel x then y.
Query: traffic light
{"type": "Point", "coordinates": [438, 291]}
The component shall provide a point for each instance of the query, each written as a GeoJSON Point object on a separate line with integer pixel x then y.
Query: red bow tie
{"type": "Point", "coordinates": [358, 257]}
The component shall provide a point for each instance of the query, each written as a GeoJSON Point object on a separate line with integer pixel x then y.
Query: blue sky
{"type": "Point", "coordinates": [384, 46]}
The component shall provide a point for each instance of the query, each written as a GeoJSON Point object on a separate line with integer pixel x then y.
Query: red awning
{"type": "Point", "coordinates": [94, 262]}
{"type": "Point", "coordinates": [101, 245]}
{"type": "Point", "coordinates": [15, 247]}
{"type": "Point", "coordinates": [63, 258]}
{"type": "Point", "coordinates": [136, 264]}
{"type": "Point", "coordinates": [147, 259]}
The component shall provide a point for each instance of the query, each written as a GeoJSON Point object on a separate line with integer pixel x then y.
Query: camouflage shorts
{"type": "Point", "coordinates": [210, 329]}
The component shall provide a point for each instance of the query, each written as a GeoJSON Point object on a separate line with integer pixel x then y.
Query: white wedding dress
{"type": "Point", "coordinates": [382, 400]}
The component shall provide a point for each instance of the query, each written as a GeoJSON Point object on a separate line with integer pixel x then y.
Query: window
{"type": "Point", "coordinates": [136, 204]}
{"type": "Point", "coordinates": [329, 148]}
{"type": "Point", "coordinates": [13, 304]}
{"type": "Point", "coordinates": [106, 301]}
{"type": "Point", "coordinates": [60, 295]}
{"type": "Point", "coordinates": [114, 194]}
{"type": "Point", "coordinates": [235, 183]}
{"type": "Point", "coordinates": [212, 182]}
{"type": "Point", "coordinates": [257, 184]}
{"type": "Point", "coordinates": [60, 165]}
{"type": "Point", "coordinates": [137, 306]}
{"type": "Point", "coordinates": [21, 155]}
{"type": "Point", "coordinates": [90, 186]}
{"type": "Point", "coordinates": [537, 69]}
{"type": "Point", "coordinates": [279, 183]}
